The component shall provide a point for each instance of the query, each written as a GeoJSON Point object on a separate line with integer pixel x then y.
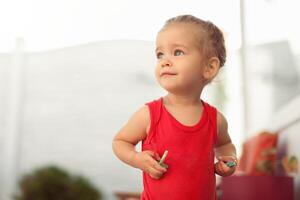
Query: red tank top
{"type": "Point", "coordinates": [190, 174]}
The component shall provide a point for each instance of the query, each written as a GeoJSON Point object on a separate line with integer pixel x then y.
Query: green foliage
{"type": "Point", "coordinates": [54, 183]}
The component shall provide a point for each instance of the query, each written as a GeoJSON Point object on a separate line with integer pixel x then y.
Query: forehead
{"type": "Point", "coordinates": [177, 32]}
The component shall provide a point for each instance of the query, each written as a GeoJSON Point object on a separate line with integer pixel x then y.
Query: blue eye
{"type": "Point", "coordinates": [159, 55]}
{"type": "Point", "coordinates": [178, 52]}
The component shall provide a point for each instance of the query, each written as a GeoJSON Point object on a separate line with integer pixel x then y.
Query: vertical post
{"type": "Point", "coordinates": [12, 145]}
{"type": "Point", "coordinates": [243, 59]}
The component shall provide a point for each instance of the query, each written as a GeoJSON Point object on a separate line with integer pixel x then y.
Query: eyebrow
{"type": "Point", "coordinates": [173, 45]}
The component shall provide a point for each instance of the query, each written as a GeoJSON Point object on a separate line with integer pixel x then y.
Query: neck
{"type": "Point", "coordinates": [182, 100]}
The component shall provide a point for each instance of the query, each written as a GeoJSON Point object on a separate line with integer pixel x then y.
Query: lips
{"type": "Point", "coordinates": [167, 73]}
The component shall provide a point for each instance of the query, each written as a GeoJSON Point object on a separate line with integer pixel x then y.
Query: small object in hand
{"type": "Point", "coordinates": [231, 164]}
{"type": "Point", "coordinates": [161, 162]}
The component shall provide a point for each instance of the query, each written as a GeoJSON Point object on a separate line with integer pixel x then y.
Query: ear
{"type": "Point", "coordinates": [211, 68]}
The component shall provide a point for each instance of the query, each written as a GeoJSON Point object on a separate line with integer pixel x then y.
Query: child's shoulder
{"type": "Point", "coordinates": [136, 127]}
{"type": "Point", "coordinates": [145, 111]}
{"type": "Point", "coordinates": [155, 102]}
{"type": "Point", "coordinates": [221, 119]}
{"type": "Point", "coordinates": [142, 113]}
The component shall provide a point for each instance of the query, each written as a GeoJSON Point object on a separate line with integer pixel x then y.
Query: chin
{"type": "Point", "coordinates": [171, 88]}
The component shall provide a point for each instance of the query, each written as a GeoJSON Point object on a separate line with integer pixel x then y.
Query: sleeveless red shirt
{"type": "Point", "coordinates": [190, 175]}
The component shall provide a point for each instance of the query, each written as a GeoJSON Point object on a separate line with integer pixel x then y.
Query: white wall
{"type": "Point", "coordinates": [4, 67]}
{"type": "Point", "coordinates": [75, 100]}
{"type": "Point", "coordinates": [287, 122]}
{"type": "Point", "coordinates": [273, 76]}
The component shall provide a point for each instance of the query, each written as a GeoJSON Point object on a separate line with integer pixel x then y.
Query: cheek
{"type": "Point", "coordinates": [190, 72]}
{"type": "Point", "coordinates": [192, 76]}
{"type": "Point", "coordinates": [157, 71]}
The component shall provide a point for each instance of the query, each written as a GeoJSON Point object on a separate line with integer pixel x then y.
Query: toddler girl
{"type": "Point", "coordinates": [189, 52]}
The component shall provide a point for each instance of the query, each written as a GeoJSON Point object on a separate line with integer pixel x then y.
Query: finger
{"type": "Point", "coordinates": [155, 173]}
{"type": "Point", "coordinates": [226, 170]}
{"type": "Point", "coordinates": [219, 168]}
{"type": "Point", "coordinates": [230, 161]}
{"type": "Point", "coordinates": [158, 167]}
{"type": "Point", "coordinates": [156, 156]}
{"type": "Point", "coordinates": [223, 170]}
{"type": "Point", "coordinates": [153, 154]}
{"type": "Point", "coordinates": [227, 158]}
{"type": "Point", "coordinates": [222, 167]}
{"type": "Point", "coordinates": [155, 165]}
{"type": "Point", "coordinates": [154, 177]}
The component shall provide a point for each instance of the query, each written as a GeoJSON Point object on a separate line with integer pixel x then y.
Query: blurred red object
{"type": "Point", "coordinates": [257, 188]}
{"type": "Point", "coordinates": [259, 155]}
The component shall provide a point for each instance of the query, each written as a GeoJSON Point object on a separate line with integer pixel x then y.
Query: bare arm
{"type": "Point", "coordinates": [224, 146]}
{"type": "Point", "coordinates": [224, 149]}
{"type": "Point", "coordinates": [131, 133]}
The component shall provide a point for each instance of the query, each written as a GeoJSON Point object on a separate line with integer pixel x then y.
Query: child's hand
{"type": "Point", "coordinates": [147, 161]}
{"type": "Point", "coordinates": [223, 169]}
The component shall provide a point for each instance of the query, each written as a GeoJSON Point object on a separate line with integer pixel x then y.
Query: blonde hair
{"type": "Point", "coordinates": [211, 42]}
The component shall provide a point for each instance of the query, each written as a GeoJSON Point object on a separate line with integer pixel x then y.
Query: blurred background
{"type": "Point", "coordinates": [72, 72]}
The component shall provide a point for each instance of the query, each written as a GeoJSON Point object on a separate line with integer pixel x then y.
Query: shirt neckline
{"type": "Point", "coordinates": [182, 126]}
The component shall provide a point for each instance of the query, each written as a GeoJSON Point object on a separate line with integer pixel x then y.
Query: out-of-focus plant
{"type": "Point", "coordinates": [55, 183]}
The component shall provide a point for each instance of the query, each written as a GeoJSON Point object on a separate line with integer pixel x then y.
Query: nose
{"type": "Point", "coordinates": [166, 62]}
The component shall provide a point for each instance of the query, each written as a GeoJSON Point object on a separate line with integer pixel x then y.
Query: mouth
{"type": "Point", "coordinates": [167, 74]}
